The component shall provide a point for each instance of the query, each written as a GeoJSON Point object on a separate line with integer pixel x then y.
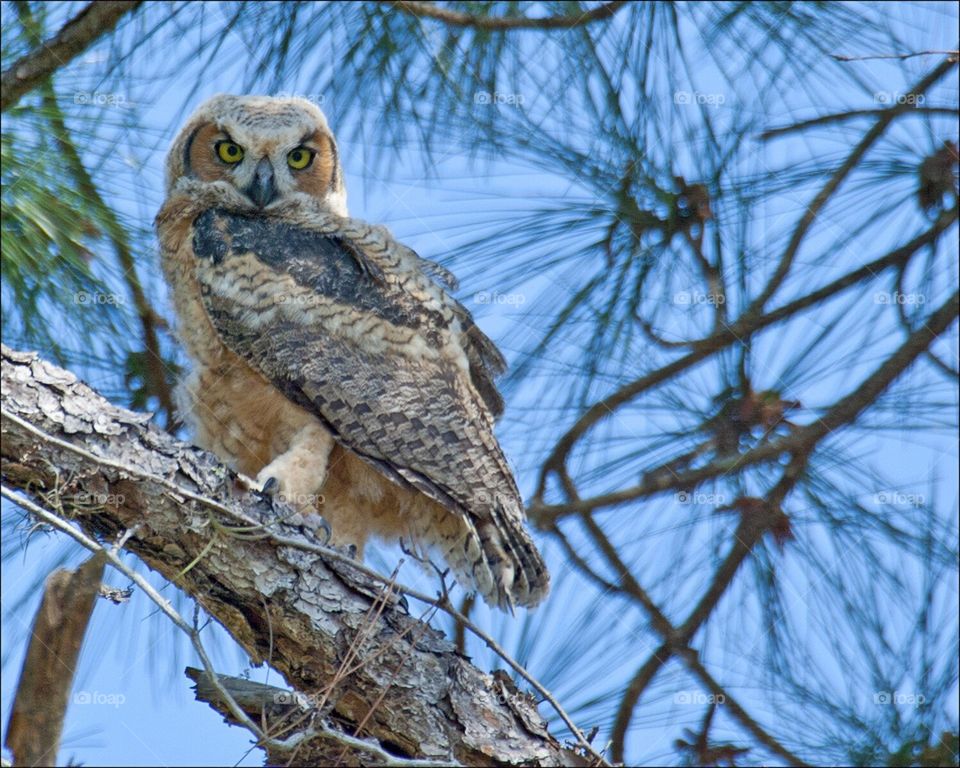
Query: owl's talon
{"type": "Point", "coordinates": [270, 487]}
{"type": "Point", "coordinates": [315, 522]}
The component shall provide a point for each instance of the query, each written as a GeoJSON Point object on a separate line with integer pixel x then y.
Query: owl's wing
{"type": "Point", "coordinates": [345, 323]}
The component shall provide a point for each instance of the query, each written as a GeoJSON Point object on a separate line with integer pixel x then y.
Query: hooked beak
{"type": "Point", "coordinates": [262, 189]}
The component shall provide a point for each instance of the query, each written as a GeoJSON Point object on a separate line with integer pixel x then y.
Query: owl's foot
{"type": "Point", "coordinates": [248, 483]}
{"type": "Point", "coordinates": [286, 510]}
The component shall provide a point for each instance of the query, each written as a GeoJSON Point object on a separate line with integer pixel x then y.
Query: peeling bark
{"type": "Point", "coordinates": [418, 697]}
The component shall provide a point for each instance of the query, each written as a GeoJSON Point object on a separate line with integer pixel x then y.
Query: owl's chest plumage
{"type": "Point", "coordinates": [233, 410]}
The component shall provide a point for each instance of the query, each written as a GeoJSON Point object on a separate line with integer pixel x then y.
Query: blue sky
{"type": "Point", "coordinates": [142, 711]}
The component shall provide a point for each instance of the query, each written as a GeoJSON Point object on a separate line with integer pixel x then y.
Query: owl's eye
{"type": "Point", "coordinates": [300, 158]}
{"type": "Point", "coordinates": [229, 152]}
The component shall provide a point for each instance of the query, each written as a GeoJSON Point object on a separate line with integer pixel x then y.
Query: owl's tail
{"type": "Point", "coordinates": [518, 574]}
{"type": "Point", "coordinates": [493, 555]}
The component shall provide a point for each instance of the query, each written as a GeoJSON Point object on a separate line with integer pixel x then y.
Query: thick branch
{"type": "Point", "coordinates": [499, 23]}
{"type": "Point", "coordinates": [78, 34]}
{"type": "Point", "coordinates": [115, 475]}
{"type": "Point", "coordinates": [36, 720]}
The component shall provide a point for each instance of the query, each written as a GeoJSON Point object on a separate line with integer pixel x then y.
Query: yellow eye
{"type": "Point", "coordinates": [300, 158]}
{"type": "Point", "coordinates": [229, 152]}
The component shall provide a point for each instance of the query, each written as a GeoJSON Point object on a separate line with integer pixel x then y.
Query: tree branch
{"type": "Point", "coordinates": [743, 327]}
{"type": "Point", "coordinates": [803, 439]}
{"type": "Point", "coordinates": [500, 23]}
{"type": "Point", "coordinates": [674, 641]}
{"type": "Point", "coordinates": [837, 117]}
{"type": "Point", "coordinates": [78, 34]}
{"type": "Point", "coordinates": [285, 600]}
{"type": "Point", "coordinates": [898, 56]}
{"type": "Point", "coordinates": [833, 184]}
{"type": "Point", "coordinates": [36, 719]}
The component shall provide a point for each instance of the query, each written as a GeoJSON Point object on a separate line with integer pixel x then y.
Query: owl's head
{"type": "Point", "coordinates": [267, 148]}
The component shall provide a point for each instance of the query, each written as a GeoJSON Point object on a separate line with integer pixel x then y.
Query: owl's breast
{"type": "Point", "coordinates": [179, 263]}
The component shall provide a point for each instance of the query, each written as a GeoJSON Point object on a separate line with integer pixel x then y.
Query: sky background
{"type": "Point", "coordinates": [141, 709]}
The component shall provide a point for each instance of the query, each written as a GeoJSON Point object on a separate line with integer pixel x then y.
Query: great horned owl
{"type": "Point", "coordinates": [330, 361]}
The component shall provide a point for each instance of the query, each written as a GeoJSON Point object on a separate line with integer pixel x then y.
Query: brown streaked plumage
{"type": "Point", "coordinates": [330, 357]}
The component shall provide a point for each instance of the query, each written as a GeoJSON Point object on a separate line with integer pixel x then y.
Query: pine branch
{"type": "Point", "coordinates": [736, 332]}
{"type": "Point", "coordinates": [500, 23]}
{"type": "Point", "coordinates": [822, 197]}
{"type": "Point", "coordinates": [158, 376]}
{"type": "Point", "coordinates": [898, 56]}
{"type": "Point", "coordinates": [78, 34]}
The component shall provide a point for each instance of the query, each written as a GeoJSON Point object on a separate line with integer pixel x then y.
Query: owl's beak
{"type": "Point", "coordinates": [262, 189]}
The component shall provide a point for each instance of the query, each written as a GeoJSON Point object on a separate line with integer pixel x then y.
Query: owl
{"type": "Point", "coordinates": [329, 361]}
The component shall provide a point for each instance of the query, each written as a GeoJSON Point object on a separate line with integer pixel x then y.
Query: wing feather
{"type": "Point", "coordinates": [348, 325]}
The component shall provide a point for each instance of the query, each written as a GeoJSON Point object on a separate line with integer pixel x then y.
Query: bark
{"type": "Point", "coordinates": [36, 719]}
{"type": "Point", "coordinates": [120, 478]}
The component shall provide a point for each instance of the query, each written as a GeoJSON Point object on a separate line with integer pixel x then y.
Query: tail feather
{"type": "Point", "coordinates": [496, 557]}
